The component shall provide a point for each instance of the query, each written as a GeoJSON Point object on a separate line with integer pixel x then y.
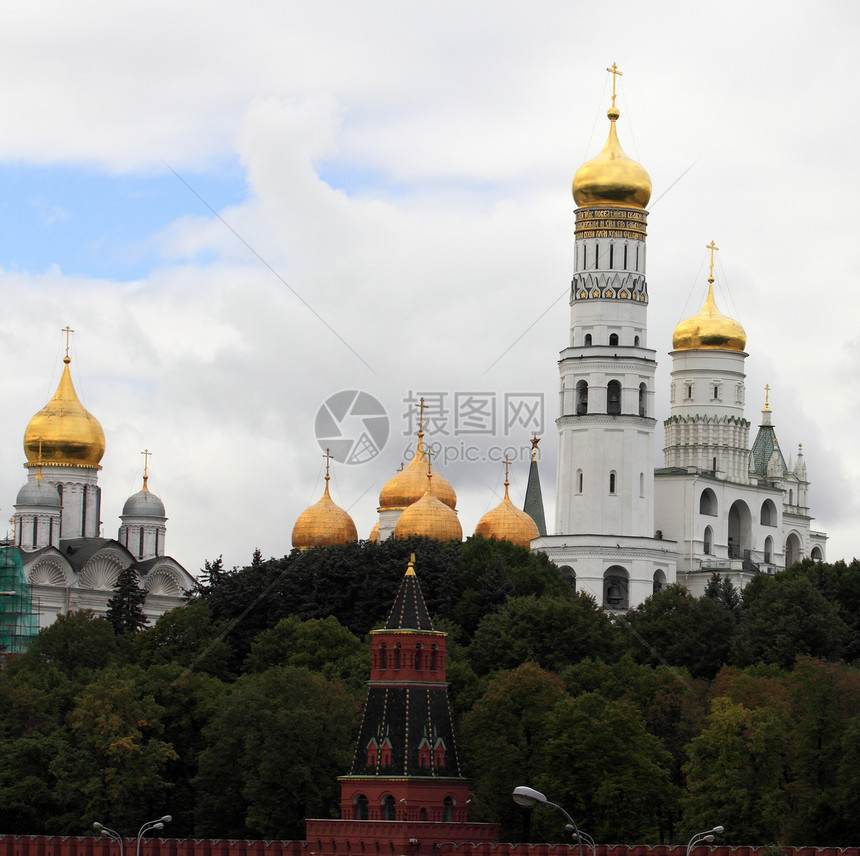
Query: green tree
{"type": "Point", "coordinates": [552, 631]}
{"type": "Point", "coordinates": [606, 769]}
{"type": "Point", "coordinates": [735, 772]}
{"type": "Point", "coordinates": [125, 608]}
{"type": "Point", "coordinates": [785, 616]}
{"type": "Point", "coordinates": [723, 591]}
{"type": "Point", "coordinates": [504, 737]}
{"type": "Point", "coordinates": [676, 629]}
{"type": "Point", "coordinates": [274, 750]}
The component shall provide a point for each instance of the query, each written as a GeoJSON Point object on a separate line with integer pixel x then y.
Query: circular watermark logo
{"type": "Point", "coordinates": [353, 425]}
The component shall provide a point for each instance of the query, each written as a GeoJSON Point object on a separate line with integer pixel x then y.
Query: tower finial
{"type": "Point", "coordinates": [328, 456]}
{"type": "Point", "coordinates": [410, 569]}
{"type": "Point", "coordinates": [712, 247]}
{"type": "Point", "coordinates": [67, 330]}
{"type": "Point", "coordinates": [534, 441]}
{"type": "Point", "coordinates": [767, 397]}
{"type": "Point", "coordinates": [615, 75]}
{"type": "Point", "coordinates": [421, 406]}
{"type": "Point", "coordinates": [146, 453]}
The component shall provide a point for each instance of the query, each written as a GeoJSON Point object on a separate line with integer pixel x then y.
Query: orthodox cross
{"type": "Point", "coordinates": [421, 415]}
{"type": "Point", "coordinates": [146, 453]}
{"type": "Point", "coordinates": [328, 457]}
{"type": "Point", "coordinates": [615, 74]}
{"type": "Point", "coordinates": [507, 469]}
{"type": "Point", "coordinates": [766, 396]}
{"type": "Point", "coordinates": [712, 246]}
{"type": "Point", "coordinates": [67, 330]}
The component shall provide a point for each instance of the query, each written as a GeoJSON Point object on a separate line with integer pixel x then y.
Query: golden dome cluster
{"type": "Point", "coordinates": [506, 522]}
{"type": "Point", "coordinates": [324, 524]}
{"type": "Point", "coordinates": [63, 431]}
{"type": "Point", "coordinates": [612, 178]}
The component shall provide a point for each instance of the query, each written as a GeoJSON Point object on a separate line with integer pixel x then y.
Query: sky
{"type": "Point", "coordinates": [246, 209]}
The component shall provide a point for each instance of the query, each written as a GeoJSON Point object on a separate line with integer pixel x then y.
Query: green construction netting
{"type": "Point", "coordinates": [18, 624]}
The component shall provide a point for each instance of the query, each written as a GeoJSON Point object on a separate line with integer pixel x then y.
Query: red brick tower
{"type": "Point", "coordinates": [405, 790]}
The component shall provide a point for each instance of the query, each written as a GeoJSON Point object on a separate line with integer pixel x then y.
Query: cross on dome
{"type": "Point", "coordinates": [615, 75]}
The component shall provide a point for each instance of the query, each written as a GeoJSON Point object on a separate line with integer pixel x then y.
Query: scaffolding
{"type": "Point", "coordinates": [18, 623]}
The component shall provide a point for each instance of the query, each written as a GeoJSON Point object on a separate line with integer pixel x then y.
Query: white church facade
{"type": "Point", "coordinates": [67, 563]}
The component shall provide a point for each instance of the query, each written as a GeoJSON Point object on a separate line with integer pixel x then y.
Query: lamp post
{"type": "Point", "coordinates": [111, 833]}
{"type": "Point", "coordinates": [530, 797]}
{"type": "Point", "coordinates": [150, 825]}
{"type": "Point", "coordinates": [707, 835]}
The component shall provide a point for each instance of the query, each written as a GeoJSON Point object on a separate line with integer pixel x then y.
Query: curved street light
{"type": "Point", "coordinates": [530, 797]}
{"type": "Point", "coordinates": [111, 833]}
{"type": "Point", "coordinates": [706, 836]}
{"type": "Point", "coordinates": [150, 825]}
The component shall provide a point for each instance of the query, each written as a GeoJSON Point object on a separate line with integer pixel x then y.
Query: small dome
{"type": "Point", "coordinates": [374, 533]}
{"type": "Point", "coordinates": [324, 524]}
{"type": "Point", "coordinates": [709, 329]}
{"type": "Point", "coordinates": [143, 504]}
{"type": "Point", "coordinates": [63, 431]}
{"type": "Point", "coordinates": [506, 522]}
{"type": "Point", "coordinates": [612, 178]}
{"type": "Point", "coordinates": [409, 484]}
{"type": "Point", "coordinates": [429, 517]}
{"type": "Point", "coordinates": [38, 492]}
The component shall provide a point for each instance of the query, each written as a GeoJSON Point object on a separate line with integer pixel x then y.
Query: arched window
{"type": "Point", "coordinates": [419, 658]}
{"type": "Point", "coordinates": [612, 482]}
{"type": "Point", "coordinates": [579, 481]}
{"type": "Point", "coordinates": [396, 655]}
{"type": "Point", "coordinates": [613, 339]}
{"type": "Point", "coordinates": [768, 550]}
{"type": "Point", "coordinates": [588, 340]}
{"type": "Point", "coordinates": [659, 581]}
{"type": "Point", "coordinates": [792, 550]}
{"type": "Point", "coordinates": [768, 513]}
{"type": "Point", "coordinates": [448, 810]}
{"type": "Point", "coordinates": [708, 503]}
{"type": "Point", "coordinates": [389, 809]}
{"type": "Point", "coordinates": [709, 540]}
{"type": "Point", "coordinates": [615, 585]}
{"type": "Point", "coordinates": [581, 398]}
{"type": "Point", "coordinates": [643, 398]}
{"type": "Point", "coordinates": [641, 485]}
{"type": "Point", "coordinates": [791, 497]}
{"type": "Point", "coordinates": [568, 574]}
{"type": "Point", "coordinates": [613, 397]}
{"type": "Point", "coordinates": [816, 554]}
{"type": "Point", "coordinates": [636, 341]}
{"type": "Point", "coordinates": [359, 807]}
{"type": "Point", "coordinates": [432, 658]}
{"type": "Point", "coordinates": [714, 464]}
{"type": "Point", "coordinates": [383, 657]}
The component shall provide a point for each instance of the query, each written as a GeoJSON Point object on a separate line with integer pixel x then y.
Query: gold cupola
{"type": "Point", "coordinates": [63, 432]}
{"type": "Point", "coordinates": [709, 329]}
{"type": "Point", "coordinates": [429, 517]}
{"type": "Point", "coordinates": [506, 521]}
{"type": "Point", "coordinates": [612, 178]}
{"type": "Point", "coordinates": [324, 524]}
{"type": "Point", "coordinates": [408, 485]}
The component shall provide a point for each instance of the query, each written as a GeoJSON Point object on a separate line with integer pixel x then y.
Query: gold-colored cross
{"type": "Point", "coordinates": [421, 416]}
{"type": "Point", "coordinates": [146, 453]}
{"type": "Point", "coordinates": [507, 469]}
{"type": "Point", "coordinates": [429, 454]}
{"type": "Point", "coordinates": [766, 396]}
{"type": "Point", "coordinates": [615, 74]}
{"type": "Point", "coordinates": [712, 246]}
{"type": "Point", "coordinates": [328, 456]}
{"type": "Point", "coordinates": [67, 330]}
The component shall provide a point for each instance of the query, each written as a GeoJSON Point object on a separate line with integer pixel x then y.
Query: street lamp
{"type": "Point", "coordinates": [707, 835]}
{"type": "Point", "coordinates": [530, 797]}
{"type": "Point", "coordinates": [111, 833]}
{"type": "Point", "coordinates": [149, 825]}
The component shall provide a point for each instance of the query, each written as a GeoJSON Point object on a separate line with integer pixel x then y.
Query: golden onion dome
{"type": "Point", "coordinates": [506, 522]}
{"type": "Point", "coordinates": [429, 517]}
{"type": "Point", "coordinates": [709, 329]}
{"type": "Point", "coordinates": [63, 431]}
{"type": "Point", "coordinates": [612, 178]}
{"type": "Point", "coordinates": [409, 484]}
{"type": "Point", "coordinates": [374, 533]}
{"type": "Point", "coordinates": [324, 524]}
